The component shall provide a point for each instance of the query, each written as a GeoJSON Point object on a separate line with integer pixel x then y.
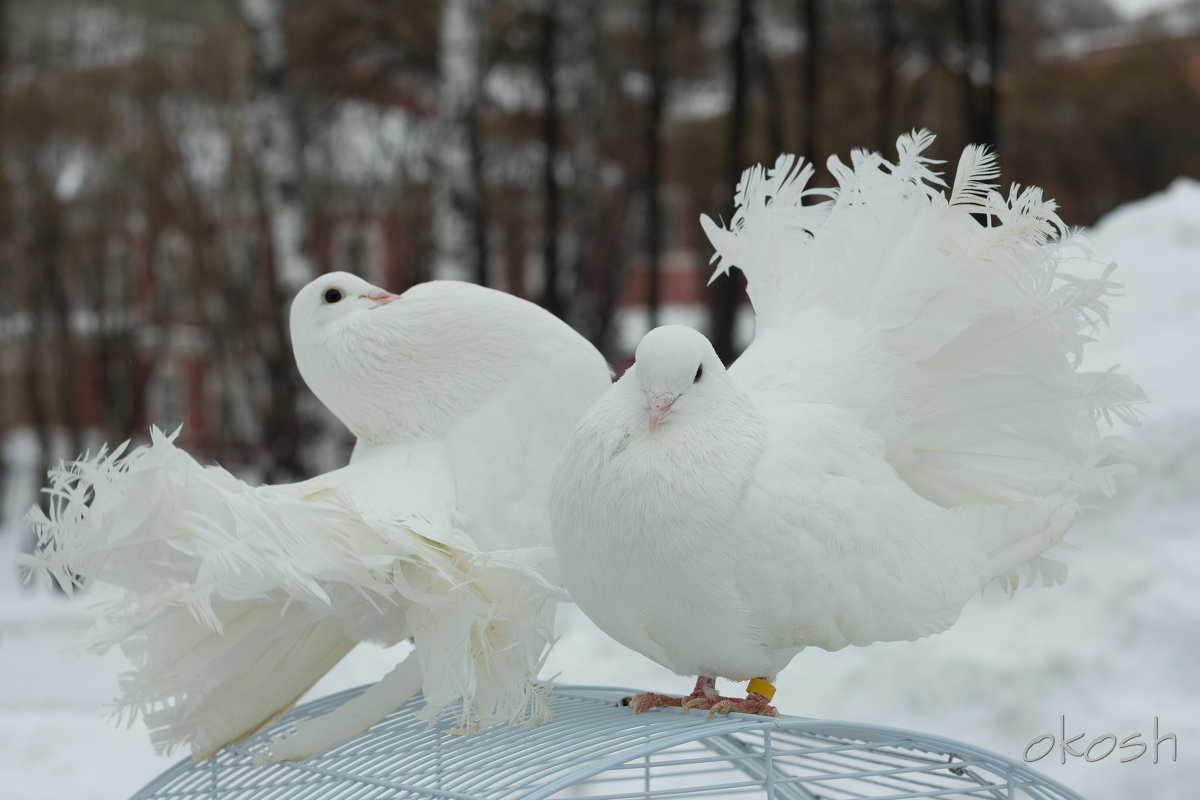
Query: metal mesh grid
{"type": "Point", "coordinates": [596, 749]}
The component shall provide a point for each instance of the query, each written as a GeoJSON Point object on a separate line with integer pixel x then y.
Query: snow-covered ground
{"type": "Point", "coordinates": [1115, 647]}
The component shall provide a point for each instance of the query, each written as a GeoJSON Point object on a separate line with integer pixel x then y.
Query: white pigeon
{"type": "Point", "coordinates": [236, 598]}
{"type": "Point", "coordinates": [909, 424]}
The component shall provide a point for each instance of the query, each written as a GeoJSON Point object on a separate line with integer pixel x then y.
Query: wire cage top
{"type": "Point", "coordinates": [595, 748]}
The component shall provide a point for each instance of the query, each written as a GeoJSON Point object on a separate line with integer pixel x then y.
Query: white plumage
{"type": "Point", "coordinates": [236, 599]}
{"type": "Point", "coordinates": [909, 424]}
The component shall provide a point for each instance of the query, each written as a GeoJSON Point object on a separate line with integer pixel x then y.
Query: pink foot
{"type": "Point", "coordinates": [703, 696]}
{"type": "Point", "coordinates": [705, 703]}
{"type": "Point", "coordinates": [753, 703]}
{"type": "Point", "coordinates": [645, 701]}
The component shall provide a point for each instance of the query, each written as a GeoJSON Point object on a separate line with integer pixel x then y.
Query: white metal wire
{"type": "Point", "coordinates": [595, 748]}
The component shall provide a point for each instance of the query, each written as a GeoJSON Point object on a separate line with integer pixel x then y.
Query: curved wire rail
{"type": "Point", "coordinates": [595, 748]}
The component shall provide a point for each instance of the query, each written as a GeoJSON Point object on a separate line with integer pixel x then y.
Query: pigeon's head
{"type": "Point", "coordinates": [331, 302]}
{"type": "Point", "coordinates": [676, 366]}
{"type": "Point", "coordinates": [393, 367]}
{"type": "Point", "coordinates": [336, 323]}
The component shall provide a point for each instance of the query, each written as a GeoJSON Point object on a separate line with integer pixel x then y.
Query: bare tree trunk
{"type": "Point", "coordinates": [810, 14]}
{"type": "Point", "coordinates": [731, 289]}
{"type": "Point", "coordinates": [5, 235]}
{"type": "Point", "coordinates": [990, 130]}
{"type": "Point", "coordinates": [32, 380]}
{"type": "Point", "coordinates": [457, 189]}
{"type": "Point", "coordinates": [979, 96]}
{"type": "Point", "coordinates": [114, 347]}
{"type": "Point", "coordinates": [277, 146]}
{"type": "Point", "coordinates": [48, 373]}
{"type": "Point", "coordinates": [887, 80]}
{"type": "Point", "coordinates": [654, 44]}
{"type": "Point", "coordinates": [774, 105]}
{"type": "Point", "coordinates": [478, 217]}
{"type": "Point", "coordinates": [587, 120]}
{"type": "Point", "coordinates": [966, 81]}
{"type": "Point", "coordinates": [612, 271]}
{"type": "Point", "coordinates": [277, 157]}
{"type": "Point", "coordinates": [551, 298]}
{"type": "Point", "coordinates": [65, 376]}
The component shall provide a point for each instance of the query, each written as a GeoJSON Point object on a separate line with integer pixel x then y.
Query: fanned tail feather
{"type": "Point", "coordinates": [972, 188]}
{"type": "Point", "coordinates": [356, 715]}
{"type": "Point", "coordinates": [1014, 537]}
{"type": "Point", "coordinates": [236, 599]}
{"type": "Point", "coordinates": [200, 689]}
{"type": "Point", "coordinates": [979, 306]}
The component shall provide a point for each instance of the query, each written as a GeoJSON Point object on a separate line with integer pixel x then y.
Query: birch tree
{"type": "Point", "coordinates": [459, 253]}
{"type": "Point", "coordinates": [276, 145]}
{"type": "Point", "coordinates": [276, 153]}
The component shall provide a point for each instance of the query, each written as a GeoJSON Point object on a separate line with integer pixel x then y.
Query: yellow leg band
{"type": "Point", "coordinates": [759, 686]}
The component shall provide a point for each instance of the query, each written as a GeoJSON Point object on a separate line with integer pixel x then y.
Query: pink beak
{"type": "Point", "coordinates": [381, 297]}
{"type": "Point", "coordinates": [660, 406]}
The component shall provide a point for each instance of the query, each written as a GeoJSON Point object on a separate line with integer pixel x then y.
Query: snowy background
{"type": "Point", "coordinates": [1116, 646]}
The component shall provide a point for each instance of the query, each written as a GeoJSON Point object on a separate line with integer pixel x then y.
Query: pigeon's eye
{"type": "Point", "coordinates": [699, 372]}
{"type": "Point", "coordinates": [333, 295]}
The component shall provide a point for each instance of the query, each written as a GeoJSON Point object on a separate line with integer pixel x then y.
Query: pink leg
{"type": "Point", "coordinates": [647, 700]}
{"type": "Point", "coordinates": [703, 696]}
{"type": "Point", "coordinates": [754, 702]}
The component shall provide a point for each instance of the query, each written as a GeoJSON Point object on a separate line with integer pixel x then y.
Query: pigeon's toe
{"type": "Point", "coordinates": [723, 707]}
{"type": "Point", "coordinates": [645, 701]}
{"type": "Point", "coordinates": [751, 704]}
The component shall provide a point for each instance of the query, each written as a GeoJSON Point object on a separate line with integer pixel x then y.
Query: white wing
{"type": "Point", "coordinates": [855, 555]}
